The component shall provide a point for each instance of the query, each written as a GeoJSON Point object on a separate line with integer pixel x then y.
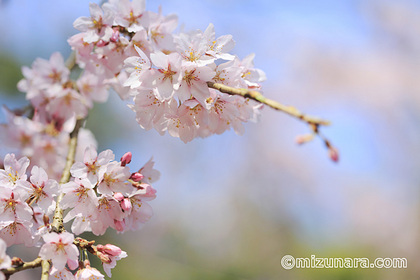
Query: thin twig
{"type": "Point", "coordinates": [27, 265]}
{"type": "Point", "coordinates": [313, 122]}
{"type": "Point", "coordinates": [57, 224]}
{"type": "Point", "coordinates": [257, 96]}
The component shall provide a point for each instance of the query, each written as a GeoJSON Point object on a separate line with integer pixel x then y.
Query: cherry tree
{"type": "Point", "coordinates": [187, 84]}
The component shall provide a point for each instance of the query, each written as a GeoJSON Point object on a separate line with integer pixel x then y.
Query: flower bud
{"type": "Point", "coordinates": [101, 43]}
{"type": "Point", "coordinates": [103, 257]}
{"type": "Point", "coordinates": [109, 249]}
{"type": "Point", "coordinates": [72, 264]}
{"type": "Point", "coordinates": [126, 159]}
{"type": "Point", "coordinates": [302, 139]}
{"type": "Point", "coordinates": [136, 177]}
{"type": "Point", "coordinates": [118, 196]}
{"type": "Point", "coordinates": [119, 225]}
{"type": "Point", "coordinates": [126, 205]}
{"type": "Point", "coordinates": [333, 154]}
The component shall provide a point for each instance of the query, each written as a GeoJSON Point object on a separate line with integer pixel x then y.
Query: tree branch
{"type": "Point", "coordinates": [45, 270]}
{"type": "Point", "coordinates": [57, 224]}
{"type": "Point", "coordinates": [257, 96]}
{"type": "Point", "coordinates": [313, 122]}
{"type": "Point", "coordinates": [27, 265]}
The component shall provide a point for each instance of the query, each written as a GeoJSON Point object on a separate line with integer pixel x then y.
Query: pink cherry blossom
{"type": "Point", "coordinates": [218, 48]}
{"type": "Point", "coordinates": [91, 164]}
{"type": "Point", "coordinates": [128, 14]}
{"type": "Point", "coordinates": [160, 30]}
{"type": "Point", "coordinates": [92, 88]}
{"type": "Point", "coordinates": [97, 26]}
{"type": "Point", "coordinates": [137, 67]}
{"type": "Point", "coordinates": [150, 174]}
{"type": "Point", "coordinates": [167, 77]}
{"type": "Point", "coordinates": [89, 273]}
{"type": "Point", "coordinates": [43, 189]}
{"type": "Point", "coordinates": [17, 232]}
{"type": "Point", "coordinates": [112, 178]}
{"type": "Point", "coordinates": [59, 248]}
{"type": "Point", "coordinates": [13, 206]}
{"type": "Point", "coordinates": [79, 195]}
{"type": "Point", "coordinates": [149, 110]}
{"type": "Point", "coordinates": [113, 254]}
{"type": "Point", "coordinates": [14, 172]}
{"type": "Point", "coordinates": [63, 274]}
{"type": "Point", "coordinates": [194, 83]}
{"type": "Point", "coordinates": [5, 261]}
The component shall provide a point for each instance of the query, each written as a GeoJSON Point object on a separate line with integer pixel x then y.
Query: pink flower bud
{"type": "Point", "coordinates": [103, 257]}
{"type": "Point", "coordinates": [136, 177]}
{"type": "Point", "coordinates": [126, 205]}
{"type": "Point", "coordinates": [126, 159]}
{"type": "Point", "coordinates": [333, 154]}
{"type": "Point", "coordinates": [73, 264]}
{"type": "Point", "coordinates": [301, 139]}
{"type": "Point", "coordinates": [118, 196]}
{"type": "Point", "coordinates": [119, 225]}
{"type": "Point", "coordinates": [150, 191]}
{"type": "Point", "coordinates": [109, 249]}
{"type": "Point", "coordinates": [101, 43]}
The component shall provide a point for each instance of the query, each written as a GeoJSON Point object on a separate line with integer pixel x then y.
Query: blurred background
{"type": "Point", "coordinates": [230, 207]}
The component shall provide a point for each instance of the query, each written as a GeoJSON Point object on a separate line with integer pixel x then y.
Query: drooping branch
{"type": "Point", "coordinates": [23, 266]}
{"type": "Point", "coordinates": [257, 96]}
{"type": "Point", "coordinates": [313, 122]}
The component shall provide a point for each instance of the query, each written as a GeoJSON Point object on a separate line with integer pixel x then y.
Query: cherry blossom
{"type": "Point", "coordinates": [59, 248]}
{"type": "Point", "coordinates": [13, 206]}
{"type": "Point", "coordinates": [136, 67]}
{"type": "Point", "coordinates": [97, 26]}
{"type": "Point", "coordinates": [17, 232]}
{"type": "Point", "coordinates": [112, 255]}
{"type": "Point", "coordinates": [165, 78]}
{"type": "Point", "coordinates": [91, 164]}
{"type": "Point", "coordinates": [43, 189]}
{"type": "Point", "coordinates": [112, 178]}
{"type": "Point", "coordinates": [63, 274]}
{"type": "Point", "coordinates": [5, 261]}
{"type": "Point", "coordinates": [128, 14]}
{"type": "Point", "coordinates": [88, 273]}
{"type": "Point", "coordinates": [14, 172]}
{"type": "Point", "coordinates": [79, 195]}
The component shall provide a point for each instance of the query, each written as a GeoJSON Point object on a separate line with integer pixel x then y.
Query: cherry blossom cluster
{"type": "Point", "coordinates": [106, 194]}
{"type": "Point", "coordinates": [44, 142]}
{"type": "Point", "coordinates": [103, 193]}
{"type": "Point", "coordinates": [54, 95]}
{"type": "Point", "coordinates": [166, 74]}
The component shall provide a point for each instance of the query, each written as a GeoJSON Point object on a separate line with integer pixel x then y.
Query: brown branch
{"type": "Point", "coordinates": [27, 265]}
{"type": "Point", "coordinates": [313, 122]}
{"type": "Point", "coordinates": [257, 96]}
{"type": "Point", "coordinates": [57, 224]}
